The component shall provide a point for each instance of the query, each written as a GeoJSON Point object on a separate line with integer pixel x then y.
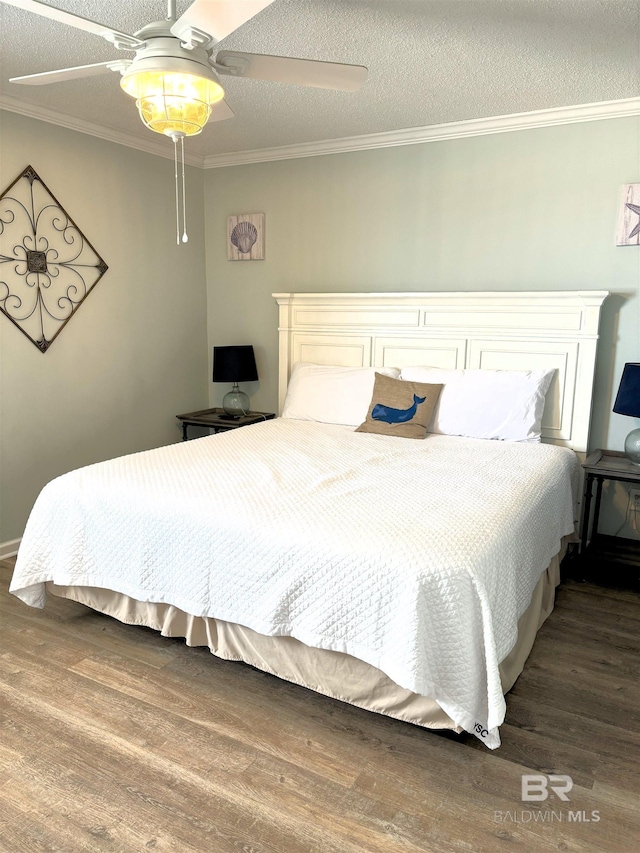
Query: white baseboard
{"type": "Point", "coordinates": [9, 549]}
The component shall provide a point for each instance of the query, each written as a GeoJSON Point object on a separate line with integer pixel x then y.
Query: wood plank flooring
{"type": "Point", "coordinates": [113, 738]}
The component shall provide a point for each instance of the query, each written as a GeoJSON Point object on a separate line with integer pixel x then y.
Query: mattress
{"type": "Point", "coordinates": [416, 557]}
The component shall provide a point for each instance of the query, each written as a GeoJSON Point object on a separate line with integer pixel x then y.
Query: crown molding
{"type": "Point", "coordinates": [407, 136]}
{"type": "Point", "coordinates": [149, 145]}
{"type": "Point", "coordinates": [433, 133]}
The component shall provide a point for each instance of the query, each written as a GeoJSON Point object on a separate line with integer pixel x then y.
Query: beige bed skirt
{"type": "Point", "coordinates": [334, 674]}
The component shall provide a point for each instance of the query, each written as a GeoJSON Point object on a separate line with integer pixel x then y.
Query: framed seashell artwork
{"type": "Point", "coordinates": [245, 237]}
{"type": "Point", "coordinates": [629, 219]}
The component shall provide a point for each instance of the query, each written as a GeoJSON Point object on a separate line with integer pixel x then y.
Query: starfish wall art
{"type": "Point", "coordinates": [629, 221]}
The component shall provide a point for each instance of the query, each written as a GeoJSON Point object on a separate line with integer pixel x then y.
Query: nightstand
{"type": "Point", "coordinates": [604, 465]}
{"type": "Point", "coordinates": [218, 421]}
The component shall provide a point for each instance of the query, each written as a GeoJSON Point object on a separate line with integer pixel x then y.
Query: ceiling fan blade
{"type": "Point", "coordinates": [221, 111]}
{"type": "Point", "coordinates": [124, 41]}
{"type": "Point", "coordinates": [62, 74]}
{"type": "Point", "coordinates": [217, 18]}
{"type": "Point", "coordinates": [284, 69]}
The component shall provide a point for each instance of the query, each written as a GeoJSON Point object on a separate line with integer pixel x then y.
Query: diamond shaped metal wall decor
{"type": "Point", "coordinates": [47, 265]}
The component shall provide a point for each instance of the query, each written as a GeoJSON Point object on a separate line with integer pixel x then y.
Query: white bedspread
{"type": "Point", "coordinates": [416, 556]}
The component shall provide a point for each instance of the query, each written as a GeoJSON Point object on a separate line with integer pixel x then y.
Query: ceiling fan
{"type": "Point", "coordinates": [173, 75]}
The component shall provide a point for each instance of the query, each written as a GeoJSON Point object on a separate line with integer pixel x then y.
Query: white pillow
{"type": "Point", "coordinates": [498, 404]}
{"type": "Point", "coordinates": [331, 395]}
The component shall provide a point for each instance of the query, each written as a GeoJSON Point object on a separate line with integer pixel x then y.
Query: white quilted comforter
{"type": "Point", "coordinates": [417, 557]}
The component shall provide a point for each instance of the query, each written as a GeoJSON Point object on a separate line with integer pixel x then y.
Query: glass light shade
{"type": "Point", "coordinates": [172, 101]}
{"type": "Point", "coordinates": [632, 446]}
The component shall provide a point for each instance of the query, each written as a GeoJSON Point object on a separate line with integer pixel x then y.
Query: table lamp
{"type": "Point", "coordinates": [234, 364]}
{"type": "Point", "coordinates": [628, 403]}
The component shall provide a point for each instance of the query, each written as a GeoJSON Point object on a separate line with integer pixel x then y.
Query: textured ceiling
{"type": "Point", "coordinates": [430, 62]}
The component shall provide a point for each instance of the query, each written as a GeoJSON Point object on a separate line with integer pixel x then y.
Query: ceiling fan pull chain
{"type": "Point", "coordinates": [185, 238]}
{"type": "Point", "coordinates": [175, 136]}
{"type": "Point", "coordinates": [175, 163]}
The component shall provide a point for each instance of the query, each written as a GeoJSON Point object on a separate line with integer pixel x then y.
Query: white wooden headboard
{"type": "Point", "coordinates": [495, 331]}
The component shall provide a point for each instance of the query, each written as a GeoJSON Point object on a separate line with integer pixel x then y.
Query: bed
{"type": "Point", "coordinates": [408, 577]}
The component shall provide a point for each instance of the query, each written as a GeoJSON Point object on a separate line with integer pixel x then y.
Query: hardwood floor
{"type": "Point", "coordinates": [113, 738]}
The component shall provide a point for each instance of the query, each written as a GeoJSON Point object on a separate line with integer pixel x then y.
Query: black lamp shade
{"type": "Point", "coordinates": [234, 364]}
{"type": "Point", "coordinates": [628, 399]}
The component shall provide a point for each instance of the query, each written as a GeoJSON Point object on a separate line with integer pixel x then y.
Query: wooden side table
{"type": "Point", "coordinates": [600, 466]}
{"type": "Point", "coordinates": [217, 420]}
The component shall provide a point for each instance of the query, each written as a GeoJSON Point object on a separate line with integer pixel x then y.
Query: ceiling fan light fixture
{"type": "Point", "coordinates": [173, 101]}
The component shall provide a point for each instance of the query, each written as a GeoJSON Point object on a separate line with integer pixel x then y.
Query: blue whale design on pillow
{"type": "Point", "coordinates": [396, 416]}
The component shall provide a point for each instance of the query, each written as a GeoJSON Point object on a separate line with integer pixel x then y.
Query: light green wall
{"type": "Point", "coordinates": [135, 354]}
{"type": "Point", "coordinates": [526, 210]}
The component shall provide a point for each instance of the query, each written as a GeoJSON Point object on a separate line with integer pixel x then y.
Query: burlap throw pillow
{"type": "Point", "coordinates": [400, 408]}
